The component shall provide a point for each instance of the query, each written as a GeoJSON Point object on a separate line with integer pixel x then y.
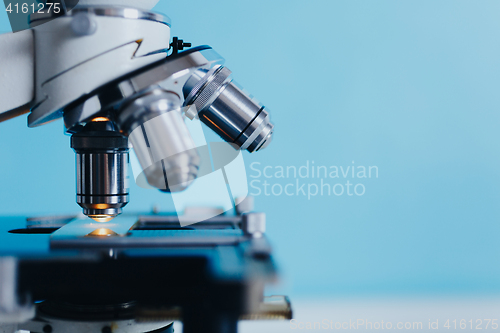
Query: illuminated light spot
{"type": "Point", "coordinates": [100, 119]}
{"type": "Point", "coordinates": [102, 232]}
{"type": "Point", "coordinates": [102, 218]}
{"type": "Point", "coordinates": [100, 206]}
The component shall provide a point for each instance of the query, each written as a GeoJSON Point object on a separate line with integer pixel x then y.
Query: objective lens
{"type": "Point", "coordinates": [101, 170]}
{"type": "Point", "coordinates": [165, 149]}
{"type": "Point", "coordinates": [228, 110]}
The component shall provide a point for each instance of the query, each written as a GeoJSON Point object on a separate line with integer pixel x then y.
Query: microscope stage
{"type": "Point", "coordinates": [164, 270]}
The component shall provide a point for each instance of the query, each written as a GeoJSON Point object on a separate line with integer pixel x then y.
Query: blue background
{"type": "Point", "coordinates": [409, 86]}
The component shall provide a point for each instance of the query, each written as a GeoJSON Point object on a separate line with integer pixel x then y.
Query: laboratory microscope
{"type": "Point", "coordinates": [112, 72]}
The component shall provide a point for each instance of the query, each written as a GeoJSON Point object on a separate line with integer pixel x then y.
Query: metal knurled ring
{"type": "Point", "coordinates": [207, 93]}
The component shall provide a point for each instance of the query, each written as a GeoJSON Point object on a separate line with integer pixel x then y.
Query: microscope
{"type": "Point", "coordinates": [110, 70]}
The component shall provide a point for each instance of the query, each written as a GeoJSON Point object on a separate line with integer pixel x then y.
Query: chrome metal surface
{"type": "Point", "coordinates": [228, 110]}
{"type": "Point", "coordinates": [101, 185]}
{"type": "Point", "coordinates": [254, 224]}
{"type": "Point", "coordinates": [101, 170]}
{"type": "Point", "coordinates": [119, 12]}
{"type": "Point", "coordinates": [244, 204]}
{"type": "Point", "coordinates": [98, 166]}
{"type": "Point", "coordinates": [128, 13]}
{"type": "Point", "coordinates": [161, 140]}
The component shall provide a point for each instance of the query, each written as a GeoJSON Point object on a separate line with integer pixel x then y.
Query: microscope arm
{"type": "Point", "coordinates": [71, 62]}
{"type": "Point", "coordinates": [17, 76]}
{"type": "Point", "coordinates": [76, 62]}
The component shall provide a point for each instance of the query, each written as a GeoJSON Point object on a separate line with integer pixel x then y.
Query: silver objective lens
{"type": "Point", "coordinates": [101, 170]}
{"type": "Point", "coordinates": [228, 110]}
{"type": "Point", "coordinates": [161, 140]}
